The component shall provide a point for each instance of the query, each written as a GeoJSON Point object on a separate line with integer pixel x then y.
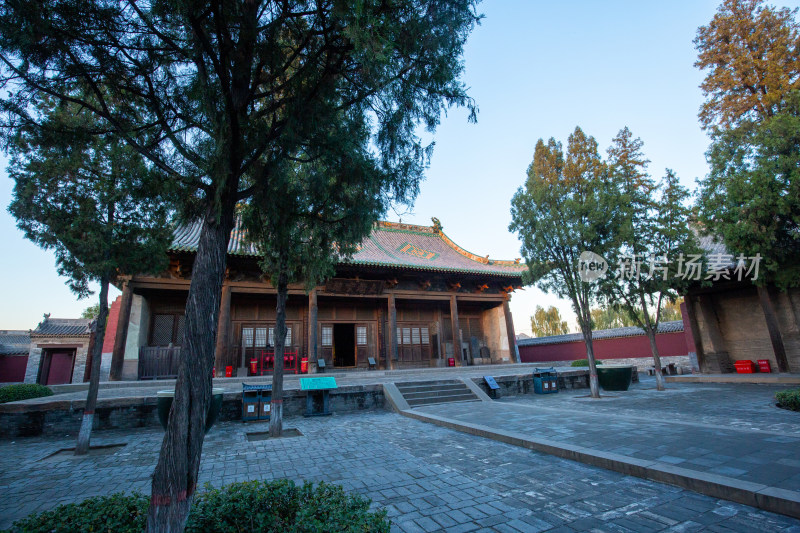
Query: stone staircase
{"type": "Point", "coordinates": [418, 393]}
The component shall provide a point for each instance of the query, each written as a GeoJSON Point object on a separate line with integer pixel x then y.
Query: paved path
{"type": "Point", "coordinates": [731, 430]}
{"type": "Point", "coordinates": [428, 478]}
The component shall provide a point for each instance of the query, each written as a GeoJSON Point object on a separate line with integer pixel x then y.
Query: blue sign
{"type": "Point", "coordinates": [491, 382]}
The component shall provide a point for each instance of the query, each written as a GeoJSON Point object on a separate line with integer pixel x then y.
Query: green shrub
{"type": "Point", "coordinates": [274, 506]}
{"type": "Point", "coordinates": [23, 391]}
{"type": "Point", "coordinates": [282, 506]}
{"type": "Point", "coordinates": [585, 362]}
{"type": "Point", "coordinates": [123, 513]}
{"type": "Point", "coordinates": [789, 399]}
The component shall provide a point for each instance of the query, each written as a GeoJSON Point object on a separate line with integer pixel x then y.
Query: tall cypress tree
{"type": "Point", "coordinates": [94, 201]}
{"type": "Point", "coordinates": [329, 201]}
{"type": "Point", "coordinates": [654, 233]}
{"type": "Point", "coordinates": [567, 207]}
{"type": "Point", "coordinates": [220, 93]}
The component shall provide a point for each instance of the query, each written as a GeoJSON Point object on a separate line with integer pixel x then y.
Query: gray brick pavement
{"type": "Point", "coordinates": [731, 430]}
{"type": "Point", "coordinates": [428, 478]}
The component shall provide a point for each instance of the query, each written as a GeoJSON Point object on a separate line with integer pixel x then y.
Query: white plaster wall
{"type": "Point", "coordinates": [137, 328]}
{"type": "Point", "coordinates": [137, 336]}
{"type": "Point", "coordinates": [34, 359]}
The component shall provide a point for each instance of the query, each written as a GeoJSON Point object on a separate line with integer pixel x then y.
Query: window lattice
{"type": "Point", "coordinates": [247, 337]}
{"type": "Point", "coordinates": [162, 330]}
{"type": "Point", "coordinates": [406, 335]}
{"type": "Point", "coordinates": [414, 335]}
{"type": "Point", "coordinates": [261, 337]}
{"type": "Point", "coordinates": [361, 335]}
{"type": "Point", "coordinates": [178, 339]}
{"type": "Point", "coordinates": [424, 332]}
{"type": "Point", "coordinates": [327, 336]}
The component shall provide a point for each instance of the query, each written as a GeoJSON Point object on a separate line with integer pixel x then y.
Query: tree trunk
{"type": "Point", "coordinates": [175, 476]}
{"type": "Point", "coordinates": [651, 329]}
{"type": "Point", "coordinates": [276, 405]}
{"type": "Point", "coordinates": [656, 359]}
{"type": "Point", "coordinates": [594, 385]}
{"type": "Point", "coordinates": [85, 434]}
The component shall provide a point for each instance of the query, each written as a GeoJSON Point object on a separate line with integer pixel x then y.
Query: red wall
{"type": "Point", "coordinates": [111, 327]}
{"type": "Point", "coordinates": [12, 368]}
{"type": "Point", "coordinates": [669, 344]}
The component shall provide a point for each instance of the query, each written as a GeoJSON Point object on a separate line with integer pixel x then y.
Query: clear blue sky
{"type": "Point", "coordinates": [536, 70]}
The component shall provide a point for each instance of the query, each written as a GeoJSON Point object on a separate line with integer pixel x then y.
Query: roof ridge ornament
{"type": "Point", "coordinates": [437, 226]}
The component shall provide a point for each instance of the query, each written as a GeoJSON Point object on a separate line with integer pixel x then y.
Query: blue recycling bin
{"type": "Point", "coordinates": [545, 380]}
{"type": "Point", "coordinates": [256, 402]}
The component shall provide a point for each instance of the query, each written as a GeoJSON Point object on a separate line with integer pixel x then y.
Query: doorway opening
{"type": "Point", "coordinates": [344, 345]}
{"type": "Point", "coordinates": [57, 365]}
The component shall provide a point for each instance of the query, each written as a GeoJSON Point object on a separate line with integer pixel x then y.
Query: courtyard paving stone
{"type": "Point", "coordinates": [733, 430]}
{"type": "Point", "coordinates": [428, 478]}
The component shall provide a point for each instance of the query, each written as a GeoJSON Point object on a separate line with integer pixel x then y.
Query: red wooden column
{"type": "Point", "coordinates": [312, 326]}
{"type": "Point", "coordinates": [221, 358]}
{"type": "Point", "coordinates": [775, 336]}
{"type": "Point", "coordinates": [121, 337]}
{"type": "Point", "coordinates": [512, 337]}
{"type": "Point", "coordinates": [392, 356]}
{"type": "Point", "coordinates": [456, 330]}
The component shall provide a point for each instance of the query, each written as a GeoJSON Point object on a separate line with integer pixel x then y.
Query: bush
{"type": "Point", "coordinates": [274, 506]}
{"type": "Point", "coordinates": [585, 362]}
{"type": "Point", "coordinates": [23, 391]}
{"type": "Point", "coordinates": [124, 513]}
{"type": "Point", "coordinates": [789, 399]}
{"type": "Point", "coordinates": [282, 506]}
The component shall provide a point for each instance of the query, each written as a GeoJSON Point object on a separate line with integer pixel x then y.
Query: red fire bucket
{"type": "Point", "coordinates": [304, 365]}
{"type": "Point", "coordinates": [451, 361]}
{"type": "Point", "coordinates": [253, 366]}
{"type": "Point", "coordinates": [228, 371]}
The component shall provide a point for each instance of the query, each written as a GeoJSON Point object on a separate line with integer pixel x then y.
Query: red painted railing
{"type": "Point", "coordinates": [264, 363]}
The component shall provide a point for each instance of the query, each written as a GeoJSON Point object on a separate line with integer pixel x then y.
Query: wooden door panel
{"type": "Point", "coordinates": [60, 368]}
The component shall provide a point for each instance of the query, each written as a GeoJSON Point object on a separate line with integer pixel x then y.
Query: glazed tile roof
{"type": "Point", "coordinates": [710, 245]}
{"type": "Point", "coordinates": [664, 327]}
{"type": "Point", "coordinates": [404, 246]}
{"type": "Point", "coordinates": [14, 342]}
{"type": "Point", "coordinates": [57, 327]}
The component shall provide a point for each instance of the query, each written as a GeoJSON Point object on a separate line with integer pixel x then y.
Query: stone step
{"type": "Point", "coordinates": [442, 399]}
{"type": "Point", "coordinates": [436, 392]}
{"type": "Point", "coordinates": [425, 388]}
{"type": "Point", "coordinates": [428, 383]}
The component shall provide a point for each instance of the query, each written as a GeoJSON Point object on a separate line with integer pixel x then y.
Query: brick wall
{"type": "Point", "coordinates": [743, 328]}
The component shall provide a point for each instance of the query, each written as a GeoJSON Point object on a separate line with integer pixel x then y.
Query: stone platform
{"type": "Point", "coordinates": [124, 405]}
